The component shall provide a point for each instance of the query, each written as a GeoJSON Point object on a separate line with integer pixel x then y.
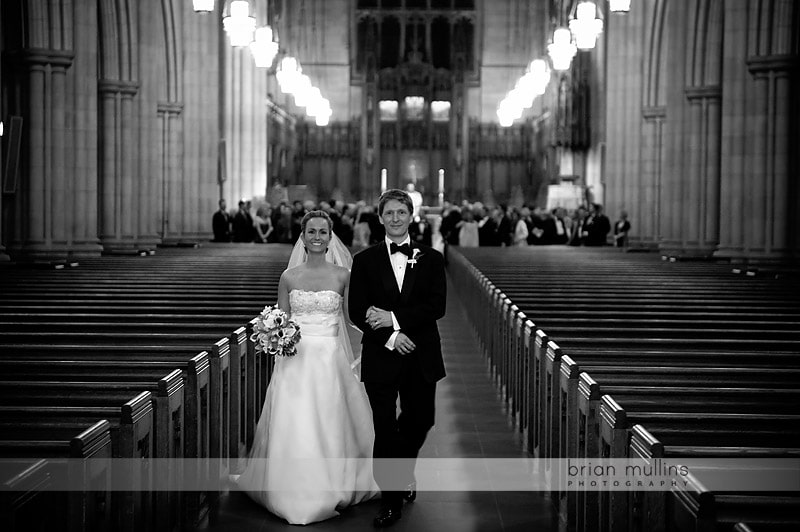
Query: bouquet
{"type": "Point", "coordinates": [275, 334]}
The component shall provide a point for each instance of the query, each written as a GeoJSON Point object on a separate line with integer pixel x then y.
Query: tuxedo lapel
{"type": "Point", "coordinates": [386, 272]}
{"type": "Point", "coordinates": [408, 281]}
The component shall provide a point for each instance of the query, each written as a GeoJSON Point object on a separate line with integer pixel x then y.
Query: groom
{"type": "Point", "coordinates": [397, 292]}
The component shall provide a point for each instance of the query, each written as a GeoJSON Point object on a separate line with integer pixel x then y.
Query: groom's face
{"type": "Point", "coordinates": [396, 218]}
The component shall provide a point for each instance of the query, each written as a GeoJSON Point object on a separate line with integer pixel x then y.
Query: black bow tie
{"type": "Point", "coordinates": [405, 249]}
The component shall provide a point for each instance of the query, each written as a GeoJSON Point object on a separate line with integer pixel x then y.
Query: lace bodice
{"type": "Point", "coordinates": [314, 302]}
{"type": "Point", "coordinates": [316, 312]}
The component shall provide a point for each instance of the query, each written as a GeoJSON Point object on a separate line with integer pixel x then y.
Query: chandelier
{"type": "Point", "coordinates": [288, 73]}
{"type": "Point", "coordinates": [562, 49]}
{"type": "Point", "coordinates": [302, 91]}
{"type": "Point", "coordinates": [536, 78]}
{"type": "Point", "coordinates": [239, 25]}
{"type": "Point", "coordinates": [241, 29]}
{"type": "Point", "coordinates": [586, 27]}
{"type": "Point", "coordinates": [619, 6]}
{"type": "Point", "coordinates": [532, 84]}
{"type": "Point", "coordinates": [263, 48]}
{"type": "Point", "coordinates": [203, 6]}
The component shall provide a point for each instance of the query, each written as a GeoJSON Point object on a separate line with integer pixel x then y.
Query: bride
{"type": "Point", "coordinates": [312, 452]}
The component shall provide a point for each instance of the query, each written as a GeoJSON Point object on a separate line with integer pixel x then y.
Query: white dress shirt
{"type": "Point", "coordinates": [399, 262]}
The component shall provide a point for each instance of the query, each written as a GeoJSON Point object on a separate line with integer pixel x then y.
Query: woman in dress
{"type": "Point", "coordinates": [263, 224]}
{"type": "Point", "coordinates": [467, 229]}
{"type": "Point", "coordinates": [312, 451]}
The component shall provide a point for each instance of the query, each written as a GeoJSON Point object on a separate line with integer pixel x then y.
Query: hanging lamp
{"type": "Point", "coordinates": [586, 26]}
{"type": "Point", "coordinates": [239, 25]}
{"type": "Point", "coordinates": [263, 48]}
{"type": "Point", "coordinates": [619, 6]}
{"type": "Point", "coordinates": [562, 49]}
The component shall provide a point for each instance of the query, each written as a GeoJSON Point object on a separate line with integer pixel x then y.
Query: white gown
{"type": "Point", "coordinates": [312, 451]}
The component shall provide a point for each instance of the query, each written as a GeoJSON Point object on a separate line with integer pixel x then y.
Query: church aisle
{"type": "Point", "coordinates": [471, 422]}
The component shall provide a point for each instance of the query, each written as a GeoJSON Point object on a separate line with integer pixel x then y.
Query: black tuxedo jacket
{"type": "Point", "coordinates": [416, 307]}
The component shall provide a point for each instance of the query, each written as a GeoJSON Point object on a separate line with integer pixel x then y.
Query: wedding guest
{"type": "Point", "coordinates": [579, 234]}
{"type": "Point", "coordinates": [522, 229]}
{"type": "Point", "coordinates": [467, 229]}
{"type": "Point", "coordinates": [263, 223]}
{"type": "Point", "coordinates": [621, 229]}
{"type": "Point", "coordinates": [242, 224]}
{"type": "Point", "coordinates": [221, 223]}
{"type": "Point", "coordinates": [596, 227]}
{"type": "Point", "coordinates": [560, 231]}
{"type": "Point", "coordinates": [421, 231]}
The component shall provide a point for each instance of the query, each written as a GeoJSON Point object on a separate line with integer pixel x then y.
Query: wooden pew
{"type": "Point", "coordinates": [122, 295]}
{"type": "Point", "coordinates": [589, 396]}
{"type": "Point", "coordinates": [173, 415]}
{"type": "Point", "coordinates": [696, 509]}
{"type": "Point", "coordinates": [131, 428]}
{"type": "Point", "coordinates": [707, 428]}
{"type": "Point", "coordinates": [766, 527]}
{"type": "Point", "coordinates": [646, 510]}
{"type": "Point", "coordinates": [722, 323]}
{"type": "Point", "coordinates": [571, 426]}
{"type": "Point", "coordinates": [28, 500]}
{"type": "Point", "coordinates": [89, 451]}
{"type": "Point", "coordinates": [564, 426]}
{"type": "Point", "coordinates": [224, 389]}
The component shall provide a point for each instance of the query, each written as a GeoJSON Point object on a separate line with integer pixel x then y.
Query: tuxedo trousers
{"type": "Point", "coordinates": [400, 435]}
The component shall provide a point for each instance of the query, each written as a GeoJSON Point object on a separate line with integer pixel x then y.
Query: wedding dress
{"type": "Point", "coordinates": [312, 451]}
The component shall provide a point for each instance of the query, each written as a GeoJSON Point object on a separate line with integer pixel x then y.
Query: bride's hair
{"type": "Point", "coordinates": [315, 214]}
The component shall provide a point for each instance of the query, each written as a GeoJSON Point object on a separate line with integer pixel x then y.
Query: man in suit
{"type": "Point", "coordinates": [221, 223]}
{"type": "Point", "coordinates": [243, 224]}
{"type": "Point", "coordinates": [397, 292]}
{"type": "Point", "coordinates": [596, 227]}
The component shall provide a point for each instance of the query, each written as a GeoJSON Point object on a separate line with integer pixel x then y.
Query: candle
{"type": "Point", "coordinates": [441, 180]}
{"type": "Point", "coordinates": [383, 180]}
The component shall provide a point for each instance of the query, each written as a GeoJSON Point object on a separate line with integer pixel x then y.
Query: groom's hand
{"type": "Point", "coordinates": [377, 318]}
{"type": "Point", "coordinates": [403, 344]}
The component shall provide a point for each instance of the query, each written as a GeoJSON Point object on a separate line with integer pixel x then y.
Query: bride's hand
{"type": "Point", "coordinates": [377, 318]}
{"type": "Point", "coordinates": [403, 344]}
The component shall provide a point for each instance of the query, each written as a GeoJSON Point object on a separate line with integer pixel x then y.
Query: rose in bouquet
{"type": "Point", "coordinates": [275, 334]}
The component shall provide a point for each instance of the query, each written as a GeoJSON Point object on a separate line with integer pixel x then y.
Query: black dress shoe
{"type": "Point", "coordinates": [410, 494]}
{"type": "Point", "coordinates": [387, 517]}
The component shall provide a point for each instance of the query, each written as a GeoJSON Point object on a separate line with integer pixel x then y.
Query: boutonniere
{"type": "Point", "coordinates": [414, 256]}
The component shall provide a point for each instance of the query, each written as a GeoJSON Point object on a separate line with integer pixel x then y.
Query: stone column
{"type": "Point", "coordinates": [652, 164]}
{"type": "Point", "coordinates": [771, 195]}
{"type": "Point", "coordinates": [82, 143]}
{"type": "Point", "coordinates": [733, 132]}
{"type": "Point", "coordinates": [673, 190]}
{"type": "Point", "coordinates": [701, 231]}
{"type": "Point", "coordinates": [169, 117]}
{"type": "Point", "coordinates": [117, 166]}
{"type": "Point", "coordinates": [40, 228]}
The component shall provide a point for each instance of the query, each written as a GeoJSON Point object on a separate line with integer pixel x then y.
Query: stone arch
{"type": "Point", "coordinates": [705, 61]}
{"type": "Point", "coordinates": [173, 51]}
{"type": "Point", "coordinates": [654, 91]}
{"type": "Point", "coordinates": [49, 24]}
{"type": "Point", "coordinates": [118, 34]}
